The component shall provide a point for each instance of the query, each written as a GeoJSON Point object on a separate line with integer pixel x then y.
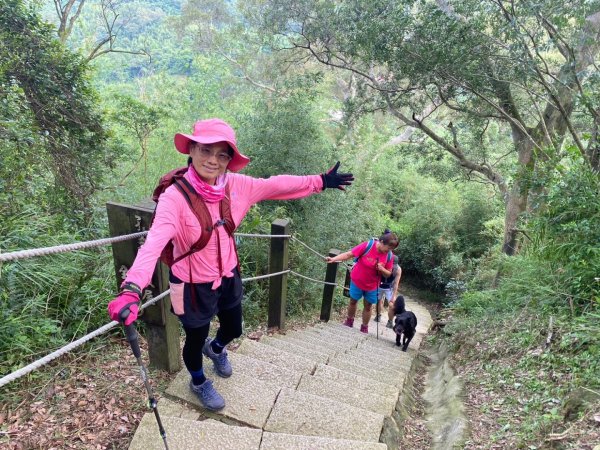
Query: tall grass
{"type": "Point", "coordinates": [48, 301]}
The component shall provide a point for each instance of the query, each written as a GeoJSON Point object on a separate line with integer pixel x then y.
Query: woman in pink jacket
{"type": "Point", "coordinates": [207, 283]}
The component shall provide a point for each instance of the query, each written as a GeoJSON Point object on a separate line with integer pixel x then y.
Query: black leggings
{"type": "Point", "coordinates": [230, 328]}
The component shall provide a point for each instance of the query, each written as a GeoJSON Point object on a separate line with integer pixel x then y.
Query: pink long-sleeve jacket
{"type": "Point", "coordinates": [175, 221]}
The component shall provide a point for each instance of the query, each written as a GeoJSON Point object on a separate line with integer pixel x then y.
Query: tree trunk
{"type": "Point", "coordinates": [515, 206]}
{"type": "Point", "coordinates": [517, 196]}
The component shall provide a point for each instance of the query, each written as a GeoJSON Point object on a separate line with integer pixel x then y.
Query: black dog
{"type": "Point", "coordinates": [405, 323]}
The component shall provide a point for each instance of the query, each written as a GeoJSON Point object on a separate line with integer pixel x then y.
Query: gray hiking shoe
{"type": "Point", "coordinates": [389, 324]}
{"type": "Point", "coordinates": [208, 395]}
{"type": "Point", "coordinates": [222, 364]}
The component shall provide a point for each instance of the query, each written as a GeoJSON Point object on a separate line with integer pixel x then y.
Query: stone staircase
{"type": "Point", "coordinates": [326, 387]}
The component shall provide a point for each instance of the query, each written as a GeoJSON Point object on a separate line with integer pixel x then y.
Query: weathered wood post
{"type": "Point", "coordinates": [329, 289]}
{"type": "Point", "coordinates": [278, 262]}
{"type": "Point", "coordinates": [162, 325]}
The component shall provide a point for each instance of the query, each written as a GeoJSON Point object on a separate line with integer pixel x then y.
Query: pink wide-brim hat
{"type": "Point", "coordinates": [210, 131]}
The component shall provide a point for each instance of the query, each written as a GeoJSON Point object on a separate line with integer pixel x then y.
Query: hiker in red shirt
{"type": "Point", "coordinates": [206, 282]}
{"type": "Point", "coordinates": [372, 262]}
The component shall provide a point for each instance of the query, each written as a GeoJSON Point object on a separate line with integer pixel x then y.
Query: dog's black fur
{"type": "Point", "coordinates": [405, 323]}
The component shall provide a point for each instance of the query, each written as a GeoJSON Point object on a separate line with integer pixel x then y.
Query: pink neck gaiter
{"type": "Point", "coordinates": [209, 193]}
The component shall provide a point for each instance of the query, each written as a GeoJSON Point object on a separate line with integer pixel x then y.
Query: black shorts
{"type": "Point", "coordinates": [205, 303]}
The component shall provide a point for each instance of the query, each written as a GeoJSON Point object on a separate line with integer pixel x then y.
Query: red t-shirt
{"type": "Point", "coordinates": [364, 275]}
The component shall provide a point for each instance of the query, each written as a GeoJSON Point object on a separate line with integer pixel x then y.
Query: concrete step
{"type": "Point", "coordinates": [329, 373]}
{"type": "Point", "coordinates": [260, 370]}
{"type": "Point", "coordinates": [283, 441]}
{"type": "Point", "coordinates": [247, 400]}
{"type": "Point", "coordinates": [315, 354]}
{"type": "Point", "coordinates": [396, 360]}
{"type": "Point", "coordinates": [312, 342]}
{"type": "Point", "coordinates": [276, 356]}
{"type": "Point", "coordinates": [342, 331]}
{"type": "Point", "coordinates": [322, 336]}
{"type": "Point", "coordinates": [170, 408]}
{"type": "Point", "coordinates": [388, 347]}
{"type": "Point", "coordinates": [347, 339]}
{"type": "Point", "coordinates": [356, 359]}
{"type": "Point", "coordinates": [359, 395]}
{"type": "Point", "coordinates": [367, 371]}
{"type": "Point", "coordinates": [305, 414]}
{"type": "Point", "coordinates": [184, 434]}
{"type": "Point", "coordinates": [306, 335]}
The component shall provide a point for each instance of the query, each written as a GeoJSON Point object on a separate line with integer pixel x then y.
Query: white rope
{"type": "Point", "coordinates": [295, 239]}
{"type": "Point", "coordinates": [67, 348]}
{"type": "Point", "coordinates": [315, 280]}
{"type": "Point", "coordinates": [67, 247]}
{"type": "Point", "coordinates": [264, 235]}
{"type": "Point", "coordinates": [21, 254]}
{"type": "Point", "coordinates": [46, 359]}
{"type": "Point", "coordinates": [269, 275]}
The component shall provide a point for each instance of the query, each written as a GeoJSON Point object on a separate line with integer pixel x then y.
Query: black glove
{"type": "Point", "coordinates": [333, 179]}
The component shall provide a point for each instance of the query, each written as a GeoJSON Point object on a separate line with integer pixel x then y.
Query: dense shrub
{"type": "Point", "coordinates": [442, 230]}
{"type": "Point", "coordinates": [567, 234]}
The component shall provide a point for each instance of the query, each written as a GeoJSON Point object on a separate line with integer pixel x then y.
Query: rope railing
{"type": "Point", "coordinates": [105, 328]}
{"type": "Point", "coordinates": [295, 239]}
{"type": "Point", "coordinates": [21, 254]}
{"type": "Point", "coordinates": [63, 248]}
{"type": "Point", "coordinates": [316, 281]}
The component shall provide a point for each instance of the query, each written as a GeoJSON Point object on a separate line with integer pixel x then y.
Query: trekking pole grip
{"type": "Point", "coordinates": [132, 335]}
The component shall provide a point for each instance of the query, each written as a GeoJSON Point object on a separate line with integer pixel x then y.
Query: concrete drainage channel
{"type": "Point", "coordinates": [444, 410]}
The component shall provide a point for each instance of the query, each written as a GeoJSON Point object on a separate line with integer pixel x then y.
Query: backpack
{"type": "Point", "coordinates": [198, 207]}
{"type": "Point", "coordinates": [386, 282]}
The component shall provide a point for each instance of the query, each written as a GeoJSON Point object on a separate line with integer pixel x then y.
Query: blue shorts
{"type": "Point", "coordinates": [356, 294]}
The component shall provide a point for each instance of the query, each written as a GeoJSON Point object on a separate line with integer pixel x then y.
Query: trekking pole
{"type": "Point", "coordinates": [377, 312]}
{"type": "Point", "coordinates": [132, 337]}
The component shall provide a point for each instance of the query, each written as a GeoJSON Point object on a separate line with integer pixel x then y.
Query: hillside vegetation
{"type": "Point", "coordinates": [472, 129]}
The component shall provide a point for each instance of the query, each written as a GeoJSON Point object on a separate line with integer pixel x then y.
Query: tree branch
{"type": "Point", "coordinates": [455, 150]}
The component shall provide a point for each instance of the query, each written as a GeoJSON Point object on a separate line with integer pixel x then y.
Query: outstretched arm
{"type": "Point", "coordinates": [341, 257]}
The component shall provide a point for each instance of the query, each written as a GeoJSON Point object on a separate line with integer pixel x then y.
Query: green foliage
{"type": "Point", "coordinates": [504, 332]}
{"type": "Point", "coordinates": [441, 229]}
{"type": "Point", "coordinates": [567, 233]}
{"type": "Point", "coordinates": [46, 302]}
{"type": "Point", "coordinates": [72, 148]}
{"type": "Point", "coordinates": [543, 318]}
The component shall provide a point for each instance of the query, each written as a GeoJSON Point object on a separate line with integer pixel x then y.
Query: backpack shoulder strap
{"type": "Point", "coordinates": [201, 212]}
{"type": "Point", "coordinates": [369, 246]}
{"type": "Point", "coordinates": [367, 249]}
{"type": "Point", "coordinates": [225, 209]}
{"type": "Point", "coordinates": [167, 180]}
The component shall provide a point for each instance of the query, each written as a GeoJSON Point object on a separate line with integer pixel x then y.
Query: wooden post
{"type": "Point", "coordinates": [346, 290]}
{"type": "Point", "coordinates": [328, 289]}
{"type": "Point", "coordinates": [278, 261]}
{"type": "Point", "coordinates": [162, 326]}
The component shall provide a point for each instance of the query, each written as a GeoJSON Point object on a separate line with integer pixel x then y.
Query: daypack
{"type": "Point", "coordinates": [386, 282]}
{"type": "Point", "coordinates": [199, 209]}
